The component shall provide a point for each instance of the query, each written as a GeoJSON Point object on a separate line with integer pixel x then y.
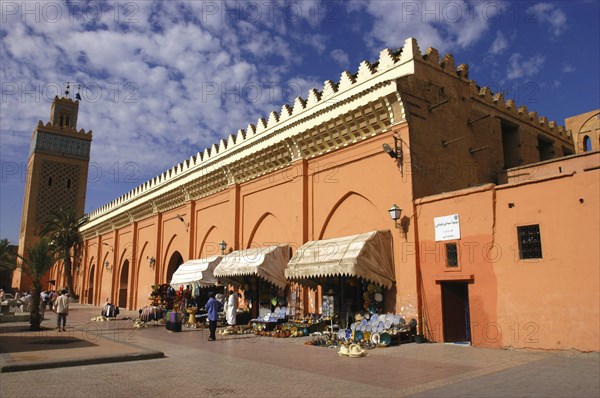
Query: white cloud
{"type": "Point", "coordinates": [499, 44]}
{"type": "Point", "coordinates": [171, 78]}
{"type": "Point", "coordinates": [443, 25]}
{"type": "Point", "coordinates": [568, 68]}
{"type": "Point", "coordinates": [550, 14]}
{"type": "Point", "coordinates": [519, 67]}
{"type": "Point", "coordinates": [317, 41]}
{"type": "Point", "coordinates": [340, 57]}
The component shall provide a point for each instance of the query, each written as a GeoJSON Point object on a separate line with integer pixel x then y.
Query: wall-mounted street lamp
{"type": "Point", "coordinates": [107, 265]}
{"type": "Point", "coordinates": [396, 152]}
{"type": "Point", "coordinates": [151, 262]}
{"type": "Point", "coordinates": [106, 244]}
{"type": "Point", "coordinates": [223, 246]}
{"type": "Point", "coordinates": [395, 213]}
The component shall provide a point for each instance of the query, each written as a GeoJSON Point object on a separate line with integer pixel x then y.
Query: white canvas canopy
{"type": "Point", "coordinates": [265, 262]}
{"type": "Point", "coordinates": [196, 271]}
{"type": "Point", "coordinates": [367, 255]}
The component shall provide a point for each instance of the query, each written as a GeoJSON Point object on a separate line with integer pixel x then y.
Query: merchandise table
{"type": "Point", "coordinates": [152, 313]}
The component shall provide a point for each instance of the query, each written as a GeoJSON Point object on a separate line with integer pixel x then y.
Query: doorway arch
{"type": "Point", "coordinates": [90, 289]}
{"type": "Point", "coordinates": [123, 284]}
{"type": "Point", "coordinates": [174, 263]}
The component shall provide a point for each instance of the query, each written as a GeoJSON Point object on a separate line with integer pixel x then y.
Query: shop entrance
{"type": "Point", "coordinates": [455, 307]}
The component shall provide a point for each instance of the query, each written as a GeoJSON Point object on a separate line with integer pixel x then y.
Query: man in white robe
{"type": "Point", "coordinates": [232, 305]}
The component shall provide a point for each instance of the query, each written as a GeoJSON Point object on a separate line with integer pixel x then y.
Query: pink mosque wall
{"type": "Point", "coordinates": [337, 194]}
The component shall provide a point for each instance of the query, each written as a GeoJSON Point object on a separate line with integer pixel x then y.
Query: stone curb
{"type": "Point", "coordinates": [35, 365]}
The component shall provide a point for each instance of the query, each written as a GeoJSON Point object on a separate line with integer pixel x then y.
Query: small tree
{"type": "Point", "coordinates": [62, 228]}
{"type": "Point", "coordinates": [37, 262]}
{"type": "Point", "coordinates": [8, 255]}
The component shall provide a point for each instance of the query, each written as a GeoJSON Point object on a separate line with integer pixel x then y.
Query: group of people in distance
{"type": "Point", "coordinates": [59, 303]}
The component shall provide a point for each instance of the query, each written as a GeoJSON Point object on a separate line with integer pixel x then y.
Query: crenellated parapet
{"type": "Point", "coordinates": [64, 130]}
{"type": "Point", "coordinates": [485, 94]}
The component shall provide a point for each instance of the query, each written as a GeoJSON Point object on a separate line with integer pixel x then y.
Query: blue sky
{"type": "Point", "coordinates": [162, 81]}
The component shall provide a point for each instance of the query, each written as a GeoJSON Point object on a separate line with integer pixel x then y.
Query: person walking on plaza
{"type": "Point", "coordinates": [61, 306]}
{"type": "Point", "coordinates": [213, 306]}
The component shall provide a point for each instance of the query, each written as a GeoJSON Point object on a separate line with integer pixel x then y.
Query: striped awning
{"type": "Point", "coordinates": [367, 255]}
{"type": "Point", "coordinates": [265, 262]}
{"type": "Point", "coordinates": [196, 271]}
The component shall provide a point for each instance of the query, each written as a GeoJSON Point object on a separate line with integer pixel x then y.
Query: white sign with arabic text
{"type": "Point", "coordinates": [447, 228]}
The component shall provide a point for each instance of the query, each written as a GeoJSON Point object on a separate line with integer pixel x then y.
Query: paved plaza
{"type": "Point", "coordinates": [160, 363]}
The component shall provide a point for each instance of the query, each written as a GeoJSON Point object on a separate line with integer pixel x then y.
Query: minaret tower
{"type": "Point", "coordinates": [57, 172]}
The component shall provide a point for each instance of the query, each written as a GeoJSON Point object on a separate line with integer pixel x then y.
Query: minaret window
{"type": "Point", "coordinates": [587, 144]}
{"type": "Point", "coordinates": [49, 181]}
{"type": "Point", "coordinates": [64, 118]}
{"type": "Point", "coordinates": [69, 183]}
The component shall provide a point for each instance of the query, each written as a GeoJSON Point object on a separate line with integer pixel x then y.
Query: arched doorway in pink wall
{"type": "Point", "coordinates": [123, 284]}
{"type": "Point", "coordinates": [174, 263]}
{"type": "Point", "coordinates": [90, 289]}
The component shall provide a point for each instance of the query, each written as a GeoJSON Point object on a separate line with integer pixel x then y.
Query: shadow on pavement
{"type": "Point", "coordinates": [23, 343]}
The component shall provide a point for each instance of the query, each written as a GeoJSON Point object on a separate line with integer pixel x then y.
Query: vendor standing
{"type": "Point", "coordinates": [213, 306]}
{"type": "Point", "coordinates": [232, 305]}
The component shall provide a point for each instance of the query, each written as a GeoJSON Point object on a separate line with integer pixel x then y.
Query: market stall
{"type": "Point", "coordinates": [259, 274]}
{"type": "Point", "coordinates": [196, 273]}
{"type": "Point", "coordinates": [192, 280]}
{"type": "Point", "coordinates": [352, 273]}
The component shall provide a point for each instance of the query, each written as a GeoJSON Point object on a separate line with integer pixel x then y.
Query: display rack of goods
{"type": "Point", "coordinates": [372, 297]}
{"type": "Point", "coordinates": [310, 324]}
{"type": "Point", "coordinates": [174, 320]}
{"type": "Point", "coordinates": [381, 330]}
{"type": "Point", "coordinates": [110, 311]}
{"type": "Point", "coordinates": [152, 313]}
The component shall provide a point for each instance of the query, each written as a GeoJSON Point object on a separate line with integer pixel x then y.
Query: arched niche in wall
{"type": "Point", "coordinates": [89, 294]}
{"type": "Point", "coordinates": [122, 274]}
{"type": "Point", "coordinates": [209, 246]}
{"type": "Point", "coordinates": [123, 280]}
{"type": "Point", "coordinates": [105, 273]}
{"type": "Point", "coordinates": [352, 214]}
{"type": "Point", "coordinates": [143, 258]}
{"type": "Point", "coordinates": [60, 276]}
{"type": "Point", "coordinates": [267, 231]}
